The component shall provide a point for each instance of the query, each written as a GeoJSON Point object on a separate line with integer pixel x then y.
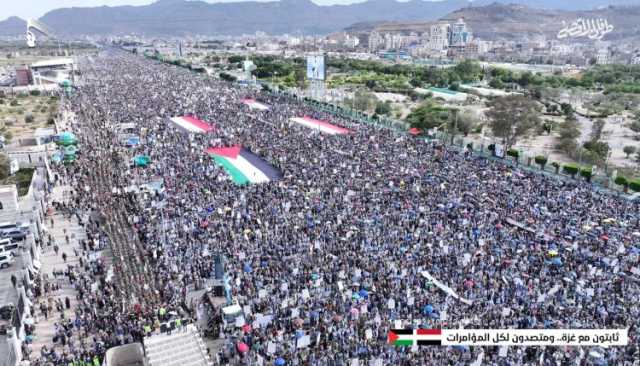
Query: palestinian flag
{"type": "Point", "coordinates": [411, 337]}
{"type": "Point", "coordinates": [243, 166]}
{"type": "Point", "coordinates": [189, 124]}
{"type": "Point", "coordinates": [319, 125]}
{"type": "Point", "coordinates": [253, 104]}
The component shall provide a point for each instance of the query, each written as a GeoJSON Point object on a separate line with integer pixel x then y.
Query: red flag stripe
{"type": "Point", "coordinates": [429, 331]}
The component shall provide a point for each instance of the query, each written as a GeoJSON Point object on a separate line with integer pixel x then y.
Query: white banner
{"type": "Point", "coordinates": [535, 337]}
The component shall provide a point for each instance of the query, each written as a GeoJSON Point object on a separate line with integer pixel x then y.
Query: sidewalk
{"type": "Point", "coordinates": [50, 261]}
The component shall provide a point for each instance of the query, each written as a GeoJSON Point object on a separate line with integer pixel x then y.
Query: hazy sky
{"type": "Point", "coordinates": [36, 8]}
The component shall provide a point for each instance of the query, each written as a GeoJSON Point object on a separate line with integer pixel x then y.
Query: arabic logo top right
{"type": "Point", "coordinates": [592, 28]}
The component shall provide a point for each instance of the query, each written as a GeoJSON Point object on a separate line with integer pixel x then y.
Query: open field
{"type": "Point", "coordinates": [15, 111]}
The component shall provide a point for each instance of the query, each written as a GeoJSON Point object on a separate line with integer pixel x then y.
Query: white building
{"type": "Point", "coordinates": [438, 38]}
{"type": "Point", "coordinates": [8, 203]}
{"type": "Point", "coordinates": [602, 57]}
{"type": "Point", "coordinates": [51, 71]}
{"type": "Point", "coordinates": [376, 41]}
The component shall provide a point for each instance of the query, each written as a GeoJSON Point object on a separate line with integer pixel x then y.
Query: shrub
{"type": "Point", "coordinates": [35, 93]}
{"type": "Point", "coordinates": [29, 118]}
{"type": "Point", "coordinates": [628, 150]}
{"type": "Point", "coordinates": [50, 120]}
{"type": "Point", "coordinates": [587, 173]}
{"type": "Point", "coordinates": [621, 181]}
{"type": "Point", "coordinates": [571, 169]}
{"type": "Point", "coordinates": [635, 185]}
{"type": "Point", "coordinates": [14, 102]}
{"type": "Point", "coordinates": [541, 160]}
{"type": "Point", "coordinates": [514, 153]}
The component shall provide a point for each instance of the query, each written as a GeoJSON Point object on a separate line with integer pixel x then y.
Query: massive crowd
{"type": "Point", "coordinates": [335, 249]}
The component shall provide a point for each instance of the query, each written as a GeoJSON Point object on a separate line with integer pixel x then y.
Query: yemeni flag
{"type": "Point", "coordinates": [411, 337]}
{"type": "Point", "coordinates": [243, 166]}
{"type": "Point", "coordinates": [189, 124]}
{"type": "Point", "coordinates": [253, 104]}
{"type": "Point", "coordinates": [319, 125]}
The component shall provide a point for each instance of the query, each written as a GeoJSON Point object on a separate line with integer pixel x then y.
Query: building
{"type": "Point", "coordinates": [438, 38]}
{"type": "Point", "coordinates": [459, 35]}
{"type": "Point", "coordinates": [52, 71]}
{"type": "Point", "coordinates": [8, 202]}
{"type": "Point", "coordinates": [23, 76]}
{"type": "Point", "coordinates": [376, 41]}
{"type": "Point", "coordinates": [602, 57]}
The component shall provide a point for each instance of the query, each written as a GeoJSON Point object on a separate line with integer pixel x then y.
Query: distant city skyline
{"type": "Point", "coordinates": [37, 8]}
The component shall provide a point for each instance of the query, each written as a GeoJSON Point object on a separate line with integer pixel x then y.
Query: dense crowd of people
{"type": "Point", "coordinates": [335, 250]}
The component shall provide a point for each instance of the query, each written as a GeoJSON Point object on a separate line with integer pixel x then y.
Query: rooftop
{"type": "Point", "coordinates": [53, 62]}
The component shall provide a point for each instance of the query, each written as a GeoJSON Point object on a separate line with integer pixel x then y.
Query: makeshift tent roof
{"type": "Point", "coordinates": [133, 141]}
{"type": "Point", "coordinates": [141, 160]}
{"type": "Point", "coordinates": [56, 157]}
{"type": "Point", "coordinates": [415, 131]}
{"type": "Point", "coordinates": [69, 158]}
{"type": "Point", "coordinates": [66, 139]}
{"type": "Point", "coordinates": [69, 150]}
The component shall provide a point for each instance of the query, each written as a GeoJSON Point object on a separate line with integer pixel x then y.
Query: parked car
{"type": "Point", "coordinates": [15, 233]}
{"type": "Point", "coordinates": [7, 251]}
{"type": "Point", "coordinates": [6, 260]}
{"type": "Point", "coordinates": [9, 245]}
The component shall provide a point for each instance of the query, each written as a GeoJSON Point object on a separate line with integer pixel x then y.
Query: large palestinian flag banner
{"type": "Point", "coordinates": [319, 125]}
{"type": "Point", "coordinates": [189, 124]}
{"type": "Point", "coordinates": [243, 166]}
{"type": "Point", "coordinates": [253, 104]}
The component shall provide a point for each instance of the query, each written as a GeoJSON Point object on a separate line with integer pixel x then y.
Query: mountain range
{"type": "Point", "coordinates": [510, 22]}
{"type": "Point", "coordinates": [182, 17]}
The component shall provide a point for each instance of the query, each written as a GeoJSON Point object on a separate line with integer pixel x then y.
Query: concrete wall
{"type": "Point", "coordinates": [29, 159]}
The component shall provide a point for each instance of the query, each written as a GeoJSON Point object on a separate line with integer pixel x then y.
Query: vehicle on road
{"type": "Point", "coordinates": [6, 260]}
{"type": "Point", "coordinates": [15, 233]}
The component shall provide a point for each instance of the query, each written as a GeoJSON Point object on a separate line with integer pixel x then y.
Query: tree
{"type": "Point", "coordinates": [629, 150]}
{"type": "Point", "coordinates": [465, 123]}
{"type": "Point", "coordinates": [512, 117]}
{"type": "Point", "coordinates": [227, 77]}
{"type": "Point", "coordinates": [383, 108]}
{"type": "Point", "coordinates": [466, 71]}
{"type": "Point", "coordinates": [370, 83]}
{"type": "Point", "coordinates": [362, 101]}
{"type": "Point", "coordinates": [567, 109]}
{"type": "Point", "coordinates": [4, 166]}
{"type": "Point", "coordinates": [28, 118]}
{"type": "Point", "coordinates": [596, 130]}
{"type": "Point", "coordinates": [635, 125]}
{"type": "Point", "coordinates": [496, 83]}
{"type": "Point", "coordinates": [428, 115]}
{"type": "Point", "coordinates": [541, 160]}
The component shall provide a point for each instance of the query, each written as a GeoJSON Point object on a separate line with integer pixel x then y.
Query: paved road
{"type": "Point", "coordinates": [50, 262]}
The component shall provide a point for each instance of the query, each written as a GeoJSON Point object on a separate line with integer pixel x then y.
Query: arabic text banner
{"type": "Point", "coordinates": [535, 337]}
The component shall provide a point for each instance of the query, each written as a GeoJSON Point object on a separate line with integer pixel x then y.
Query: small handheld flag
{"type": "Point", "coordinates": [411, 337]}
